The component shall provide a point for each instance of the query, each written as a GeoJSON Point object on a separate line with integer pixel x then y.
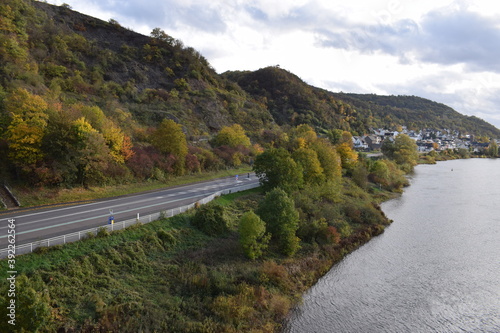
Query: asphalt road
{"type": "Point", "coordinates": [39, 223]}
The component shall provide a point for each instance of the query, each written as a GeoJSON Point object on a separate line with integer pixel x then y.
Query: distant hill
{"type": "Point", "coordinates": [416, 112]}
{"type": "Point", "coordinates": [292, 101]}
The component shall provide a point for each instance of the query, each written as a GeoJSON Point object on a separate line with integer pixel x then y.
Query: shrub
{"type": "Point", "coordinates": [211, 219]}
{"type": "Point", "coordinates": [102, 232]}
{"type": "Point", "coordinates": [166, 237]}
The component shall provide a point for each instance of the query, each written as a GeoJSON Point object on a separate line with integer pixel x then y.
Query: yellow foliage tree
{"type": "Point", "coordinates": [303, 136]}
{"type": "Point", "coordinates": [311, 167]}
{"type": "Point", "coordinates": [114, 139]}
{"type": "Point", "coordinates": [232, 136]}
{"type": "Point", "coordinates": [347, 155]}
{"type": "Point", "coordinates": [27, 127]}
{"type": "Point", "coordinates": [329, 159]}
{"type": "Point", "coordinates": [91, 152]}
{"type": "Point", "coordinates": [170, 139]}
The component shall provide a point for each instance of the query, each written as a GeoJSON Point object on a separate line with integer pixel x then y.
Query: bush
{"type": "Point", "coordinates": [102, 232]}
{"type": "Point", "coordinates": [252, 239]}
{"type": "Point", "coordinates": [211, 219]}
{"type": "Point", "coordinates": [166, 237]}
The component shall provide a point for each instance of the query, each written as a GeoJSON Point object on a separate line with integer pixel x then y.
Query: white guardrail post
{"type": "Point", "coordinates": [23, 249]}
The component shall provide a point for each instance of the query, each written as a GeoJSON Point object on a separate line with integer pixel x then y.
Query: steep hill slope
{"type": "Point", "coordinates": [80, 58]}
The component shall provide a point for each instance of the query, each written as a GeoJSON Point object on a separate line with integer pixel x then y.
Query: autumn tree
{"type": "Point", "coordinates": [26, 130]}
{"type": "Point", "coordinates": [115, 139]}
{"type": "Point", "coordinates": [277, 209]}
{"type": "Point", "coordinates": [276, 168]}
{"type": "Point", "coordinates": [91, 154]}
{"type": "Point", "coordinates": [328, 158]}
{"type": "Point", "coordinates": [311, 166]}
{"type": "Point", "coordinates": [170, 139]}
{"type": "Point", "coordinates": [348, 156]}
{"type": "Point", "coordinates": [232, 136]}
{"type": "Point", "coordinates": [252, 231]}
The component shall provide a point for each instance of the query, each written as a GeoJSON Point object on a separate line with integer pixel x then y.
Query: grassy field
{"type": "Point", "coordinates": [44, 196]}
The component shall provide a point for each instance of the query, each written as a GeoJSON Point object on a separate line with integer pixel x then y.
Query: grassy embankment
{"type": "Point", "coordinates": [168, 276]}
{"type": "Point", "coordinates": [43, 196]}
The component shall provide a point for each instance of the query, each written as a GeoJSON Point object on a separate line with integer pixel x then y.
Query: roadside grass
{"type": "Point", "coordinates": [54, 256]}
{"type": "Point", "coordinates": [44, 196]}
{"type": "Point", "coordinates": [228, 199]}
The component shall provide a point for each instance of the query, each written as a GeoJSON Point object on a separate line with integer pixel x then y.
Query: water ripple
{"type": "Point", "coordinates": [435, 269]}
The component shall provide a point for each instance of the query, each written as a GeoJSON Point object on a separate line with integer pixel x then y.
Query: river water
{"type": "Point", "coordinates": [435, 269]}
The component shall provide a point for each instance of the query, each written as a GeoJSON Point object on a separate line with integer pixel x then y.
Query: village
{"type": "Point", "coordinates": [427, 140]}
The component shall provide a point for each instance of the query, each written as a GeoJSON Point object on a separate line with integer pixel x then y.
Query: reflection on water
{"type": "Point", "coordinates": [435, 269]}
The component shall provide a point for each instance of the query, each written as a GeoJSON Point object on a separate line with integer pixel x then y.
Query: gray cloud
{"type": "Point", "coordinates": [442, 37]}
{"type": "Point", "coordinates": [480, 103]}
{"type": "Point", "coordinates": [167, 13]}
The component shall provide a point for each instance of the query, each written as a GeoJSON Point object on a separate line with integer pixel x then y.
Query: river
{"type": "Point", "coordinates": [435, 269]}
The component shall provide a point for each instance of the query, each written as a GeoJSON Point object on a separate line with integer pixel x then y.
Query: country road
{"type": "Point", "coordinates": [37, 223]}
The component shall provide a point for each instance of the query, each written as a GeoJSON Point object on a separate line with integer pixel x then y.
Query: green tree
{"type": "Point", "coordinates": [493, 149]}
{"type": "Point", "coordinates": [232, 136]}
{"type": "Point", "coordinates": [334, 136]}
{"type": "Point", "coordinates": [170, 139]}
{"type": "Point", "coordinates": [404, 151]}
{"type": "Point", "coordinates": [380, 173]}
{"type": "Point", "coordinates": [311, 167]}
{"type": "Point", "coordinates": [360, 175]}
{"type": "Point", "coordinates": [276, 168]}
{"type": "Point", "coordinates": [252, 235]}
{"type": "Point", "coordinates": [282, 220]}
{"type": "Point", "coordinates": [91, 154]}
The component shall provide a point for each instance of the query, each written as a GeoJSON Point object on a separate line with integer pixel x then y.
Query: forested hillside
{"type": "Point", "coordinates": [80, 100]}
{"type": "Point", "coordinates": [292, 101]}
{"type": "Point", "coordinates": [83, 101]}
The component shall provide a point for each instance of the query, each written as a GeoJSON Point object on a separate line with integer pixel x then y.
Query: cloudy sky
{"type": "Point", "coordinates": [444, 50]}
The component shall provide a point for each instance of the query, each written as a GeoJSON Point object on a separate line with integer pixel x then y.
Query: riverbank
{"type": "Point", "coordinates": [433, 270]}
{"type": "Point", "coordinates": [169, 276]}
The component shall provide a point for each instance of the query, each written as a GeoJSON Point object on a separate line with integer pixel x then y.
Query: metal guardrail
{"type": "Point", "coordinates": [76, 236]}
